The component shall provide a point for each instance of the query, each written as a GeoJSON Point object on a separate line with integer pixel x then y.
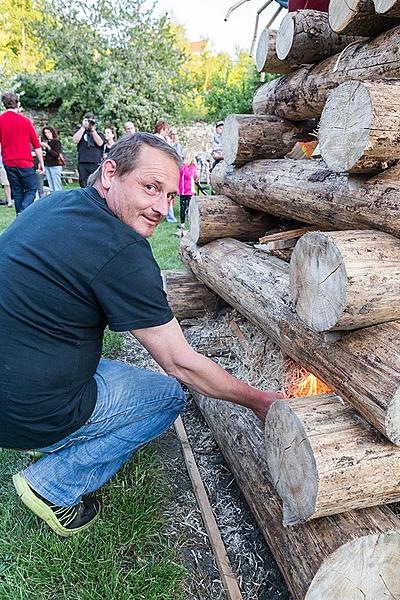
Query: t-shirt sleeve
{"type": "Point", "coordinates": [129, 289]}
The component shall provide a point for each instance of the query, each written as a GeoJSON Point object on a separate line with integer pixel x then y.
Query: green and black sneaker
{"type": "Point", "coordinates": [64, 521]}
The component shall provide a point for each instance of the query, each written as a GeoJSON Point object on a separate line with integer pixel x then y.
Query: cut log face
{"type": "Point", "coordinates": [346, 280]}
{"type": "Point", "coordinates": [357, 17]}
{"type": "Point", "coordinates": [303, 94]}
{"type": "Point", "coordinates": [360, 124]}
{"type": "Point", "coordinates": [363, 367]}
{"type": "Point", "coordinates": [389, 8]}
{"type": "Point", "coordinates": [214, 217]}
{"type": "Point", "coordinates": [323, 559]}
{"type": "Point", "coordinates": [187, 296]}
{"type": "Point", "coordinates": [249, 137]}
{"type": "Point", "coordinates": [305, 36]}
{"type": "Point", "coordinates": [323, 459]}
{"type": "Point", "coordinates": [307, 191]}
{"type": "Point", "coordinates": [266, 58]}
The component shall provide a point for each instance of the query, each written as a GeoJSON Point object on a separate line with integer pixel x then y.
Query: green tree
{"type": "Point", "coordinates": [19, 50]}
{"type": "Point", "coordinates": [111, 57]}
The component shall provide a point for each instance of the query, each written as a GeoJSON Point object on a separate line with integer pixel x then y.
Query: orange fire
{"type": "Point", "coordinates": [311, 386]}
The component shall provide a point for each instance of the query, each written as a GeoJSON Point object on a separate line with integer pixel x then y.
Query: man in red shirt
{"type": "Point", "coordinates": [16, 137]}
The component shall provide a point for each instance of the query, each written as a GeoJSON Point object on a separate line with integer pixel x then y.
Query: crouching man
{"type": "Point", "coordinates": [70, 265]}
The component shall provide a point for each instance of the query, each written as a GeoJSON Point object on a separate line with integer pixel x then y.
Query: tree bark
{"type": "Point", "coordinates": [305, 36]}
{"type": "Point", "coordinates": [324, 460]}
{"type": "Point", "coordinates": [362, 367]}
{"type": "Point", "coordinates": [389, 8]}
{"type": "Point", "coordinates": [302, 95]}
{"type": "Point", "coordinates": [358, 17]}
{"type": "Point", "coordinates": [360, 125]}
{"type": "Point", "coordinates": [324, 558]}
{"type": "Point", "coordinates": [249, 137]}
{"type": "Point", "coordinates": [307, 191]}
{"type": "Point", "coordinates": [213, 217]}
{"type": "Point", "coordinates": [346, 279]}
{"type": "Point", "coordinates": [266, 58]}
{"type": "Point", "coordinates": [186, 295]}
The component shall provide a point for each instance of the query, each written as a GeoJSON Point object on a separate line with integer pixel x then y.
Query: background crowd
{"type": "Point", "coordinates": [27, 163]}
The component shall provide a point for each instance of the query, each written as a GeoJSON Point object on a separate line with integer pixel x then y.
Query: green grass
{"type": "Point", "coordinates": [127, 554]}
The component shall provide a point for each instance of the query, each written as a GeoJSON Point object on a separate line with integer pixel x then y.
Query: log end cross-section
{"type": "Point", "coordinates": [291, 463]}
{"type": "Point", "coordinates": [318, 284]}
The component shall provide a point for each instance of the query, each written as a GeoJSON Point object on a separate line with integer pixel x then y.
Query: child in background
{"type": "Point", "coordinates": [186, 189]}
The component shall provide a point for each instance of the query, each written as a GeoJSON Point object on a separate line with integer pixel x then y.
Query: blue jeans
{"type": "Point", "coordinates": [53, 175]}
{"type": "Point", "coordinates": [23, 185]}
{"type": "Point", "coordinates": [133, 407]}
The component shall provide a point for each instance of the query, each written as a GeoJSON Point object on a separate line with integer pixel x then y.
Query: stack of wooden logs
{"type": "Point", "coordinates": [319, 476]}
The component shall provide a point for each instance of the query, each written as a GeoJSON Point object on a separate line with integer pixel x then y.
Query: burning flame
{"type": "Point", "coordinates": [311, 386]}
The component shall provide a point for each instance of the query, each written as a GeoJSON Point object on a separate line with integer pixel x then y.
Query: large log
{"type": "Point", "coordinates": [351, 555]}
{"type": "Point", "coordinates": [323, 459]}
{"type": "Point", "coordinates": [302, 94]}
{"type": "Point", "coordinates": [307, 191]}
{"type": "Point", "coordinates": [186, 295]}
{"type": "Point", "coordinates": [248, 137]}
{"type": "Point", "coordinates": [357, 17]}
{"type": "Point", "coordinates": [346, 279]}
{"type": "Point", "coordinates": [363, 367]}
{"type": "Point", "coordinates": [266, 58]}
{"type": "Point", "coordinates": [360, 126]}
{"type": "Point", "coordinates": [390, 8]}
{"type": "Point", "coordinates": [305, 36]}
{"type": "Point", "coordinates": [213, 217]}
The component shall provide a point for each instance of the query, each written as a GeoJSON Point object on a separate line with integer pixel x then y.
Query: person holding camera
{"type": "Point", "coordinates": [90, 144]}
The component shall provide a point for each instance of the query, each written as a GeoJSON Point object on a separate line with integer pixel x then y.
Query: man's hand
{"type": "Point", "coordinates": [269, 398]}
{"type": "Point", "coordinates": [40, 169]}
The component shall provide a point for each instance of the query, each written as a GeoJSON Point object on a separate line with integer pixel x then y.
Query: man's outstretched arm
{"type": "Point", "coordinates": [170, 349]}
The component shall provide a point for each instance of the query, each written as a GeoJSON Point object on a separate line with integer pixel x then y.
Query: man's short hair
{"type": "Point", "coordinates": [125, 152]}
{"type": "Point", "coordinates": [10, 100]}
{"type": "Point", "coordinates": [219, 123]}
{"type": "Point", "coordinates": [89, 115]}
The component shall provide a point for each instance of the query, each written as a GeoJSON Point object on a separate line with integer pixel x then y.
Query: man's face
{"type": "Point", "coordinates": [219, 129]}
{"type": "Point", "coordinates": [129, 127]}
{"type": "Point", "coordinates": [141, 198]}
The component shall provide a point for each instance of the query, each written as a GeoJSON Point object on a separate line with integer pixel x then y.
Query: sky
{"type": "Point", "coordinates": [205, 19]}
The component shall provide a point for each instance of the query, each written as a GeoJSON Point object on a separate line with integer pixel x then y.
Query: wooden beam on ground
{"type": "Point", "coordinates": [228, 577]}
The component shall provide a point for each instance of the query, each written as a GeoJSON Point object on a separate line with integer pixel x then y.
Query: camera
{"type": "Point", "coordinates": [92, 122]}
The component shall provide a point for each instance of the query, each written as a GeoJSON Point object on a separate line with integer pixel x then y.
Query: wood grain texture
{"type": "Point", "coordinates": [324, 459]}
{"type": "Point", "coordinates": [186, 295]}
{"type": "Point", "coordinates": [305, 36]}
{"type": "Point", "coordinates": [358, 17]}
{"type": "Point", "coordinates": [325, 558]}
{"type": "Point", "coordinates": [360, 126]}
{"type": "Point", "coordinates": [250, 137]}
{"type": "Point", "coordinates": [346, 279]}
{"type": "Point", "coordinates": [266, 58]}
{"type": "Point", "coordinates": [303, 94]}
{"type": "Point", "coordinates": [389, 8]}
{"type": "Point", "coordinates": [363, 367]}
{"type": "Point", "coordinates": [309, 192]}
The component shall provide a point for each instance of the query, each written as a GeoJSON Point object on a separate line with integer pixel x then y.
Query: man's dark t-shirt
{"type": "Point", "coordinates": [68, 267]}
{"type": "Point", "coordinates": [88, 150]}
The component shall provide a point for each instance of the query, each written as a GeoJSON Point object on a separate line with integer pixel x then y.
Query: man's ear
{"type": "Point", "coordinates": [108, 171]}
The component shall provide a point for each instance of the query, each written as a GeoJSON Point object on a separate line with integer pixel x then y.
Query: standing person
{"type": "Point", "coordinates": [5, 183]}
{"type": "Point", "coordinates": [16, 137]}
{"type": "Point", "coordinates": [186, 189]}
{"type": "Point", "coordinates": [216, 151]}
{"type": "Point", "coordinates": [52, 146]}
{"type": "Point", "coordinates": [173, 136]}
{"type": "Point", "coordinates": [86, 414]}
{"type": "Point", "coordinates": [110, 136]}
{"type": "Point", "coordinates": [129, 127]}
{"type": "Point", "coordinates": [161, 130]}
{"type": "Point", "coordinates": [90, 144]}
